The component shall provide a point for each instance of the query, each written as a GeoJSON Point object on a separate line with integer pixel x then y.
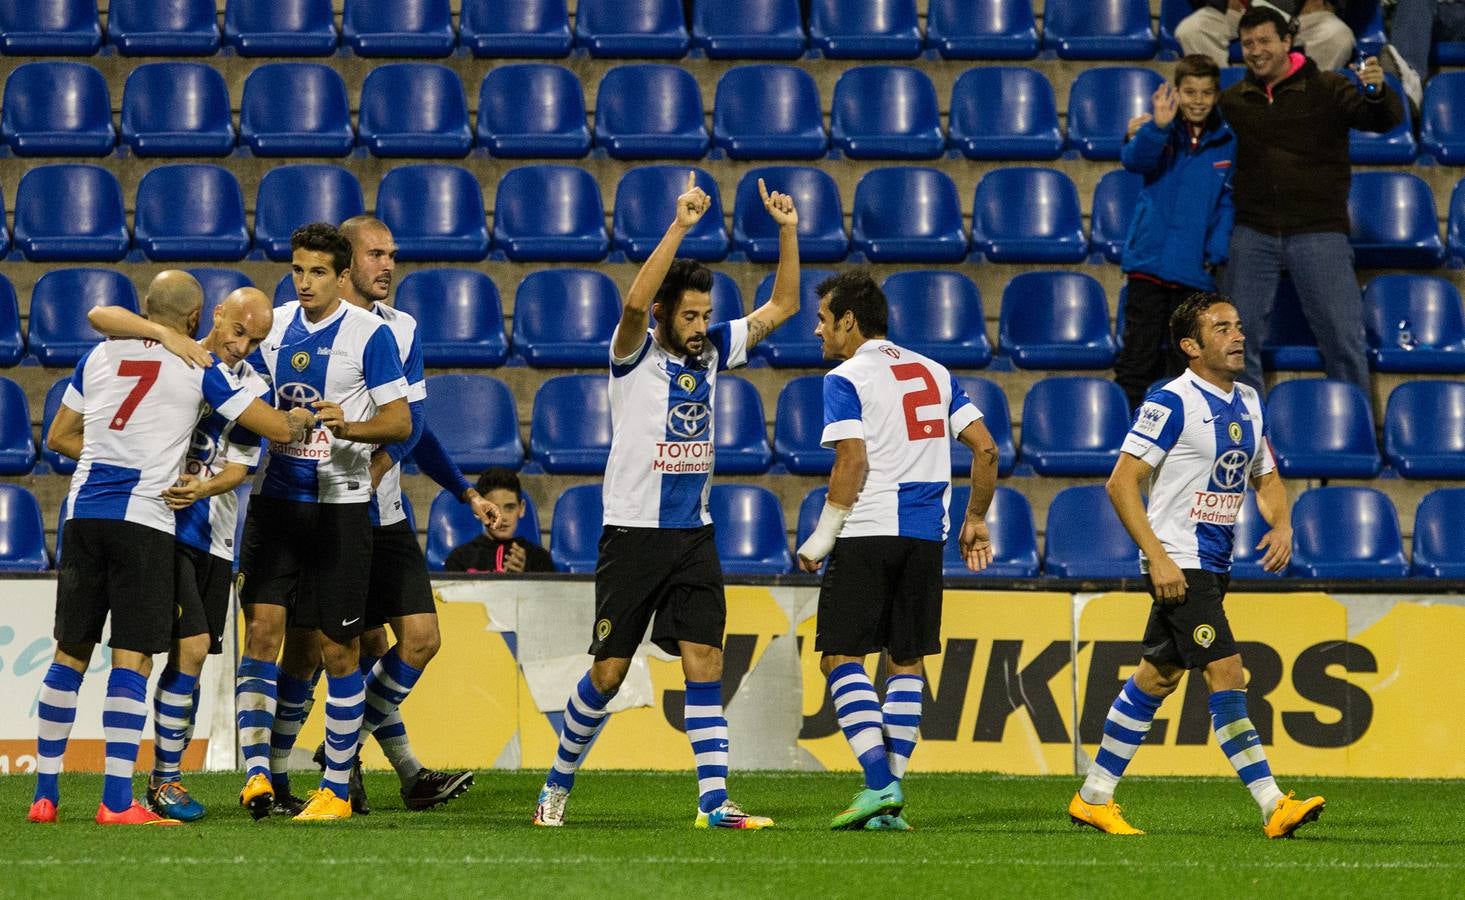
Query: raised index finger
{"type": "Point", "coordinates": [762, 190]}
{"type": "Point", "coordinates": [691, 181]}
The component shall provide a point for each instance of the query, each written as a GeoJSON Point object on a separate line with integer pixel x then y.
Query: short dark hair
{"type": "Point", "coordinates": [1257, 16]}
{"type": "Point", "coordinates": [322, 237]}
{"type": "Point", "coordinates": [1197, 66]}
{"type": "Point", "coordinates": [499, 479]}
{"type": "Point", "coordinates": [1185, 321]}
{"type": "Point", "coordinates": [855, 291]}
{"type": "Point", "coordinates": [684, 275]}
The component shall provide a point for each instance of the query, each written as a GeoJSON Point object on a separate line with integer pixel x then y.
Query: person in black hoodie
{"type": "Point", "coordinates": [499, 550]}
{"type": "Point", "coordinates": [1290, 190]}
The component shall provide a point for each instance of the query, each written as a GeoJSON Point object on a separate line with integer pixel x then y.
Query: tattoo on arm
{"type": "Point", "coordinates": [757, 330]}
{"type": "Point", "coordinates": [990, 454]}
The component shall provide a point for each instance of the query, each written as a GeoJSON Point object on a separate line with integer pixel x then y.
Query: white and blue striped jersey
{"type": "Point", "coordinates": [139, 404]}
{"type": "Point", "coordinates": [1205, 447]}
{"type": "Point", "coordinates": [209, 524]}
{"type": "Point", "coordinates": [386, 503]}
{"type": "Point", "coordinates": [350, 358]}
{"type": "Point", "coordinates": [901, 404]}
{"type": "Point", "coordinates": [660, 469]}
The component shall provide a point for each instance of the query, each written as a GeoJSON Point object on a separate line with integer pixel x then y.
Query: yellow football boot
{"type": "Point", "coordinates": [324, 806]}
{"type": "Point", "coordinates": [1291, 815]}
{"type": "Point", "coordinates": [258, 795]}
{"type": "Point", "coordinates": [1105, 817]}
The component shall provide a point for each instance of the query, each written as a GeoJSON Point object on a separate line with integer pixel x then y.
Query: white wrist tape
{"type": "Point", "coordinates": [821, 541]}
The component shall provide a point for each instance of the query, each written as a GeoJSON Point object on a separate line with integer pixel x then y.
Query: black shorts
{"type": "Point", "coordinates": [202, 594]}
{"type": "Point", "coordinates": [1194, 633]}
{"type": "Point", "coordinates": [117, 567]}
{"type": "Point", "coordinates": [670, 573]}
{"type": "Point", "coordinates": [399, 582]}
{"type": "Point", "coordinates": [881, 593]}
{"type": "Point", "coordinates": [312, 558]}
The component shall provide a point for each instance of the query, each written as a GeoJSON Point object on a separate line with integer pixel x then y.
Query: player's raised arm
{"type": "Point", "coordinates": [783, 303]}
{"type": "Point", "coordinates": [274, 425]}
{"type": "Point", "coordinates": [116, 322]}
{"type": "Point", "coordinates": [1123, 487]}
{"type": "Point", "coordinates": [1271, 502]}
{"type": "Point", "coordinates": [974, 541]}
{"type": "Point", "coordinates": [631, 332]}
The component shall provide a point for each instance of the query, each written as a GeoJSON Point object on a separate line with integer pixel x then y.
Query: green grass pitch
{"type": "Point", "coordinates": [629, 834]}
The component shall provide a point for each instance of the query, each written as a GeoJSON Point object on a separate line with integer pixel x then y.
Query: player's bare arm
{"type": "Point", "coordinates": [783, 303]}
{"type": "Point", "coordinates": [116, 322]}
{"type": "Point", "coordinates": [974, 540]}
{"type": "Point", "coordinates": [851, 466]}
{"type": "Point", "coordinates": [1124, 492]}
{"type": "Point", "coordinates": [392, 422]}
{"type": "Point", "coordinates": [486, 510]}
{"type": "Point", "coordinates": [274, 425]}
{"type": "Point", "coordinates": [631, 331]}
{"type": "Point", "coordinates": [66, 432]}
{"type": "Point", "coordinates": [1271, 502]}
{"type": "Point", "coordinates": [189, 489]}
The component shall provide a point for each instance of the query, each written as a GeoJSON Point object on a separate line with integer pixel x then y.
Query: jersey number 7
{"type": "Point", "coordinates": [916, 428]}
{"type": "Point", "coordinates": [146, 373]}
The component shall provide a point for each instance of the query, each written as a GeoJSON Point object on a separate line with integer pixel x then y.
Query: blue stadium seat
{"type": "Point", "coordinates": [793, 344]}
{"type": "Point", "coordinates": [939, 314]}
{"type": "Point", "coordinates": [459, 318]}
{"type": "Point", "coordinates": [190, 212]}
{"type": "Point", "coordinates": [58, 333]}
{"type": "Point", "coordinates": [1100, 104]}
{"type": "Point", "coordinates": [1439, 541]}
{"type": "Point", "coordinates": [70, 212]}
{"type": "Point", "coordinates": [1056, 320]}
{"type": "Point", "coordinates": [574, 534]}
{"type": "Point", "coordinates": [1455, 228]}
{"type": "Point", "coordinates": [727, 300]}
{"type": "Point", "coordinates": [1393, 147]}
{"type": "Point", "coordinates": [741, 434]}
{"type": "Point", "coordinates": [631, 28]}
{"type": "Point", "coordinates": [908, 214]}
{"type": "Point", "coordinates": [1424, 430]}
{"type": "Point", "coordinates": [1085, 538]}
{"type": "Point", "coordinates": [752, 29]}
{"type": "Point", "coordinates": [414, 110]}
{"type": "Point", "coordinates": [1289, 344]}
{"type": "Point", "coordinates": [1010, 524]}
{"type": "Point", "coordinates": [177, 109]}
{"type": "Point", "coordinates": [435, 212]}
{"type": "Point", "coordinates": [1073, 426]}
{"type": "Point", "coordinates": [569, 432]}
{"type": "Point", "coordinates": [809, 510]}
{"type": "Point", "coordinates": [1246, 559]}
{"type": "Point", "coordinates": [451, 524]}
{"type": "Point", "coordinates": [553, 125]}
{"type": "Point", "coordinates": [57, 27]}
{"type": "Point", "coordinates": [550, 212]}
{"type": "Point", "coordinates": [58, 464]}
{"type": "Point", "coordinates": [1115, 197]}
{"type": "Point", "coordinates": [4, 232]}
{"type": "Point", "coordinates": [1346, 532]}
{"type": "Point", "coordinates": [284, 290]}
{"type": "Point", "coordinates": [174, 28]}
{"type": "Point", "coordinates": [865, 29]}
{"type": "Point", "coordinates": [1442, 118]}
{"type": "Point", "coordinates": [1106, 29]}
{"type": "Point", "coordinates": [58, 109]}
{"type": "Point", "coordinates": [291, 196]}
{"type": "Point", "coordinates": [1321, 429]}
{"type": "Point", "coordinates": [821, 215]}
{"type": "Point", "coordinates": [1414, 323]}
{"type": "Point", "coordinates": [318, 123]}
{"type": "Point", "coordinates": [515, 28]}
{"type": "Point", "coordinates": [985, 29]}
{"type": "Point", "coordinates": [475, 418]}
{"type": "Point", "coordinates": [1394, 224]}
{"type": "Point", "coordinates": [650, 111]}
{"type": "Point", "coordinates": [17, 446]}
{"type": "Point", "coordinates": [644, 195]}
{"type": "Point", "coordinates": [565, 317]}
{"type": "Point", "coordinates": [1172, 13]}
{"type": "Point", "coordinates": [280, 27]}
{"type": "Point", "coordinates": [1004, 112]}
{"type": "Point", "coordinates": [1027, 214]}
{"type": "Point", "coordinates": [798, 425]}
{"type": "Point", "coordinates": [22, 534]}
{"type": "Point", "coordinates": [217, 284]}
{"type": "Point", "coordinates": [886, 112]}
{"type": "Point", "coordinates": [988, 397]}
{"type": "Point", "coordinates": [420, 28]}
{"type": "Point", "coordinates": [768, 112]}
{"type": "Point", "coordinates": [12, 344]}
{"type": "Point", "coordinates": [748, 524]}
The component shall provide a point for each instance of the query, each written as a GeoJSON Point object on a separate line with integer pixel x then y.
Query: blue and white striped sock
{"type": "Point", "coordinates": [1125, 728]}
{"type": "Point", "coordinates": [172, 718]}
{"type": "Point", "coordinates": [254, 698]}
{"type": "Point", "coordinates": [345, 706]}
{"type": "Point", "coordinates": [192, 716]}
{"type": "Point", "coordinates": [296, 697]}
{"type": "Point", "coordinates": [124, 714]}
{"type": "Point", "coordinates": [707, 730]}
{"type": "Point", "coordinates": [57, 710]}
{"type": "Point", "coordinates": [391, 736]}
{"type": "Point", "coordinates": [1243, 746]}
{"type": "Point", "coordinates": [584, 716]}
{"type": "Point", "coordinates": [901, 718]}
{"type": "Point", "coordinates": [858, 710]}
{"type": "Point", "coordinates": [388, 685]}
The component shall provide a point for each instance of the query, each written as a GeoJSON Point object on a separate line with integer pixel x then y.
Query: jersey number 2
{"type": "Point", "coordinates": [146, 373]}
{"type": "Point", "coordinates": [916, 428]}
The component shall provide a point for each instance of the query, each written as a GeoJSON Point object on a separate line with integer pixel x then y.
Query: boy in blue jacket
{"type": "Point", "coordinates": [1182, 223]}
